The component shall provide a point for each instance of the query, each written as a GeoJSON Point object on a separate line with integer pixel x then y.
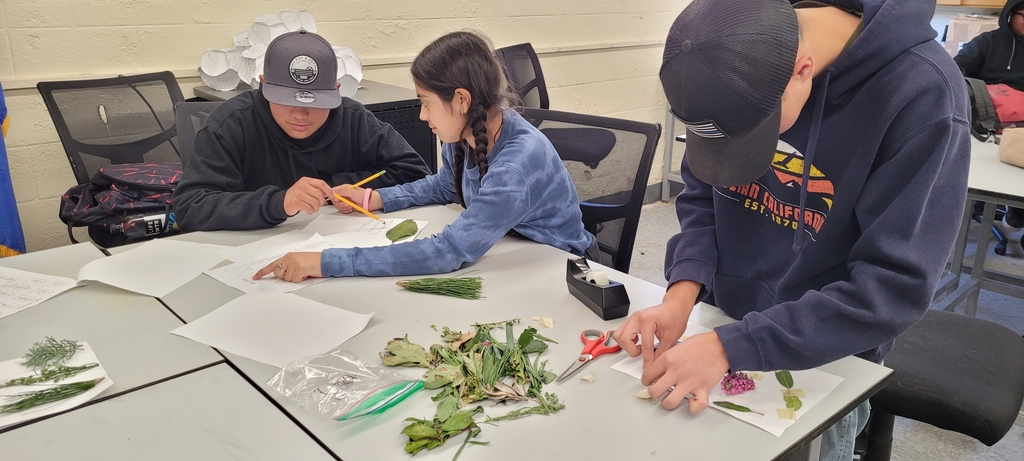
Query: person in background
{"type": "Point", "coordinates": [267, 154]}
{"type": "Point", "coordinates": [496, 164]}
{"type": "Point", "coordinates": [831, 242]}
{"type": "Point", "coordinates": [997, 56]}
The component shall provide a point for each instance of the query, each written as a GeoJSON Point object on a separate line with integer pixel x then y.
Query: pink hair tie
{"type": "Point", "coordinates": [366, 198]}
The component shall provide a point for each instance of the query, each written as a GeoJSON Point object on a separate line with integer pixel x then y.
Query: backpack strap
{"type": "Point", "coordinates": [984, 121]}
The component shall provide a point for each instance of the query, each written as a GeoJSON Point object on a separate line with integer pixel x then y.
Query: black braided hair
{"type": "Point", "coordinates": [464, 60]}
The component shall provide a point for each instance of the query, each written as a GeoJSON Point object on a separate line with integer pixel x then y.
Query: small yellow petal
{"type": "Point", "coordinates": [754, 376]}
{"type": "Point", "coordinates": [588, 378]}
{"type": "Point", "coordinates": [643, 394]}
{"type": "Point", "coordinates": [546, 321]}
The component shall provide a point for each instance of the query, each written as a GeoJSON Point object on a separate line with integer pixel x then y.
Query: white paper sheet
{"type": "Point", "coordinates": [635, 366]}
{"type": "Point", "coordinates": [12, 369]}
{"type": "Point", "coordinates": [155, 268]}
{"type": "Point", "coordinates": [20, 290]}
{"type": "Point", "coordinates": [277, 244]}
{"type": "Point", "coordinates": [275, 328]}
{"type": "Point", "coordinates": [767, 395]}
{"type": "Point", "coordinates": [239, 275]}
{"type": "Point", "coordinates": [347, 231]}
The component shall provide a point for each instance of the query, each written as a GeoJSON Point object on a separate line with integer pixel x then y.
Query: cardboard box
{"type": "Point", "coordinates": [964, 28]}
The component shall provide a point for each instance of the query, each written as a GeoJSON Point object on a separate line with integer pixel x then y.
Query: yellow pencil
{"type": "Point", "coordinates": [357, 207]}
{"type": "Point", "coordinates": [371, 178]}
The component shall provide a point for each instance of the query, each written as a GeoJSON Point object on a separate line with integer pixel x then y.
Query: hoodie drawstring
{"type": "Point", "coordinates": [801, 238]}
{"type": "Point", "coordinates": [1013, 50]}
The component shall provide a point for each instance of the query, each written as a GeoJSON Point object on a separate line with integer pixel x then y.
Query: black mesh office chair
{"type": "Point", "coordinates": [955, 372]}
{"type": "Point", "coordinates": [190, 117]}
{"type": "Point", "coordinates": [611, 180]}
{"type": "Point", "coordinates": [126, 119]}
{"type": "Point", "coordinates": [524, 75]}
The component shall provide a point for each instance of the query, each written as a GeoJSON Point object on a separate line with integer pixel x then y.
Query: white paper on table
{"type": "Point", "coordinates": [12, 369]}
{"type": "Point", "coordinates": [767, 397]}
{"type": "Point", "coordinates": [278, 244]}
{"type": "Point", "coordinates": [767, 394]}
{"type": "Point", "coordinates": [20, 290]}
{"type": "Point", "coordinates": [345, 231]}
{"type": "Point", "coordinates": [154, 268]}
{"type": "Point", "coordinates": [239, 275]}
{"type": "Point", "coordinates": [275, 328]}
{"type": "Point", "coordinates": [635, 366]}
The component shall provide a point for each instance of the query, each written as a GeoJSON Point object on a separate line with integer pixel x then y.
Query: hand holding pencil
{"type": "Point", "coordinates": [348, 197]}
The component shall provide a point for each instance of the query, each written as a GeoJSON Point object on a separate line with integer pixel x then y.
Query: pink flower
{"type": "Point", "coordinates": [737, 383]}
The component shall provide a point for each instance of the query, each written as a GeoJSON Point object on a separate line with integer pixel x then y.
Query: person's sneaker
{"type": "Point", "coordinates": [1014, 218]}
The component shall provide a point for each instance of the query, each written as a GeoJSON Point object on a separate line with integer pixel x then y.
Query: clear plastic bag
{"type": "Point", "coordinates": [341, 385]}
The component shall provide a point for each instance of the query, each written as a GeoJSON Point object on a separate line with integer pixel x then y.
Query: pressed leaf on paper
{"type": "Point", "coordinates": [785, 378]}
{"type": "Point", "coordinates": [793, 402]}
{"type": "Point", "coordinates": [404, 229]}
{"type": "Point", "coordinates": [735, 407]}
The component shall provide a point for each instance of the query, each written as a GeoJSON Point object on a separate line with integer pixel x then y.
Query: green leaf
{"type": "Point", "coordinates": [419, 431]}
{"type": "Point", "coordinates": [526, 337]}
{"type": "Point", "coordinates": [404, 229]}
{"type": "Point", "coordinates": [793, 402]}
{"type": "Point", "coordinates": [441, 375]}
{"type": "Point", "coordinates": [447, 407]}
{"type": "Point", "coordinates": [458, 421]}
{"type": "Point", "coordinates": [785, 378]}
{"type": "Point", "coordinates": [735, 407]}
{"type": "Point", "coordinates": [535, 346]}
{"type": "Point", "coordinates": [400, 352]}
{"type": "Point", "coordinates": [414, 447]}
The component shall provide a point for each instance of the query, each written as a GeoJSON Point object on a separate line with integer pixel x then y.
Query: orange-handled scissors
{"type": "Point", "coordinates": [595, 344]}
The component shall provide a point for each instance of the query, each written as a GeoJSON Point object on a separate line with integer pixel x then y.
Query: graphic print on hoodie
{"type": "Point", "coordinates": [776, 196]}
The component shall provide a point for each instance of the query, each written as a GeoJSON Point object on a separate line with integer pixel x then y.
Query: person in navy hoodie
{"type": "Point", "coordinates": [831, 242]}
{"type": "Point", "coordinates": [997, 56]}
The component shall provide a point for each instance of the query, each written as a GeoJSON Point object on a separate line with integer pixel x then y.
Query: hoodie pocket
{"type": "Point", "coordinates": [737, 296]}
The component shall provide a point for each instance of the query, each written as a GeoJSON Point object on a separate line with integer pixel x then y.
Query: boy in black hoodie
{"type": "Point", "coordinates": [997, 56]}
{"type": "Point", "coordinates": [268, 154]}
{"type": "Point", "coordinates": [826, 167]}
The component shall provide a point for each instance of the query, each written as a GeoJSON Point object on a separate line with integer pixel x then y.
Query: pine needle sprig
{"type": "Point", "coordinates": [461, 287]}
{"type": "Point", "coordinates": [32, 399]}
{"type": "Point", "coordinates": [56, 374]}
{"type": "Point", "coordinates": [50, 352]}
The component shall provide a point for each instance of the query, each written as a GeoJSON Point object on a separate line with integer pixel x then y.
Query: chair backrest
{"type": "Point", "coordinates": [522, 68]}
{"type": "Point", "coordinates": [189, 117]}
{"type": "Point", "coordinates": [126, 119]}
{"type": "Point", "coordinates": [610, 161]}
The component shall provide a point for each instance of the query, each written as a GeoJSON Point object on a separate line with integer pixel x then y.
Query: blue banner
{"type": "Point", "coordinates": [12, 238]}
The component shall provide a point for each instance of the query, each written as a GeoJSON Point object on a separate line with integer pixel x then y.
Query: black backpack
{"type": "Point", "coordinates": [984, 121]}
{"type": "Point", "coordinates": [123, 202]}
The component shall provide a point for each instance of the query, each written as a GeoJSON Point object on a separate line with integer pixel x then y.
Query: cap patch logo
{"type": "Point", "coordinates": [303, 69]}
{"type": "Point", "coordinates": [305, 97]}
{"type": "Point", "coordinates": [705, 129]}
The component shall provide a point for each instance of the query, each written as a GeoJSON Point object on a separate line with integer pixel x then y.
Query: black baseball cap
{"type": "Point", "coordinates": [725, 67]}
{"type": "Point", "coordinates": [301, 70]}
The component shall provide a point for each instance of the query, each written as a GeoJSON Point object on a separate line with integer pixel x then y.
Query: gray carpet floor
{"type": "Point", "coordinates": [913, 441]}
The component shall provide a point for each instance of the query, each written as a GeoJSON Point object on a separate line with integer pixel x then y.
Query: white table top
{"type": "Point", "coordinates": [989, 175]}
{"type": "Point", "coordinates": [212, 414]}
{"type": "Point", "coordinates": [525, 279]}
{"type": "Point", "coordinates": [128, 331]}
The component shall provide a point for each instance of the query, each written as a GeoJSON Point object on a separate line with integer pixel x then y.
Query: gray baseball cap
{"type": "Point", "coordinates": [301, 70]}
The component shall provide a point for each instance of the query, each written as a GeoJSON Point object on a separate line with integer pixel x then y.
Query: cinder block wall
{"type": "Point", "coordinates": [599, 57]}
